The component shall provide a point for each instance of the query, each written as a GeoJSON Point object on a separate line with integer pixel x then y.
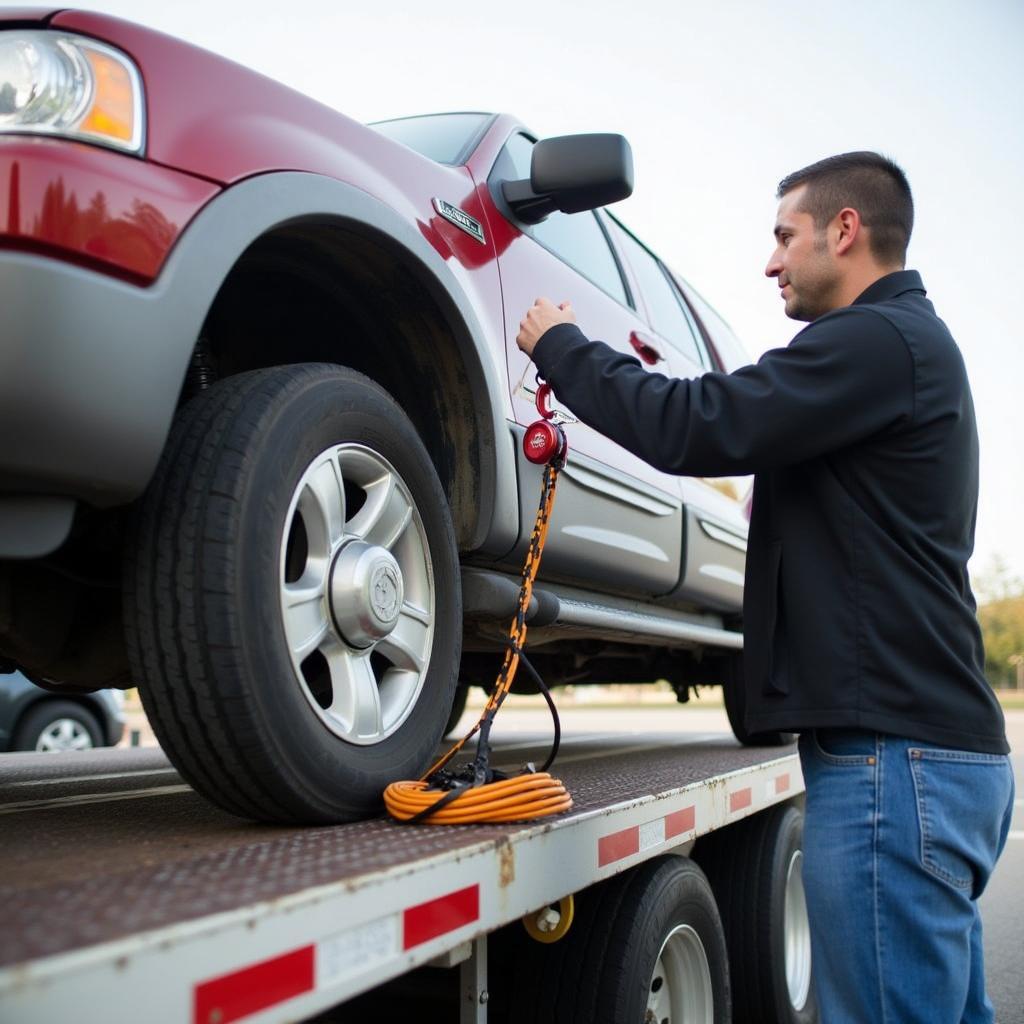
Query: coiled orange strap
{"type": "Point", "coordinates": [527, 795]}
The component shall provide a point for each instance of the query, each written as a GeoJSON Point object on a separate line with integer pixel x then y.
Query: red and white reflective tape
{"type": "Point", "coordinates": [262, 985]}
{"type": "Point", "coordinates": [629, 841]}
{"type": "Point", "coordinates": [683, 824]}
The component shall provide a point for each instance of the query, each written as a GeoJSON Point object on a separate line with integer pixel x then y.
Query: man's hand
{"type": "Point", "coordinates": [542, 315]}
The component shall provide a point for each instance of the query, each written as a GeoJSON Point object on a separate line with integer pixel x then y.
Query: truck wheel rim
{"type": "Point", "coordinates": [797, 935]}
{"type": "Point", "coordinates": [64, 734]}
{"type": "Point", "coordinates": [357, 593]}
{"type": "Point", "coordinates": [681, 990]}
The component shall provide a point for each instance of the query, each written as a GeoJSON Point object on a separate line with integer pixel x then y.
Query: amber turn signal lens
{"type": "Point", "coordinates": [112, 110]}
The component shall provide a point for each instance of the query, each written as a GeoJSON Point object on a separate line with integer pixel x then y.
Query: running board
{"type": "Point", "coordinates": [488, 595]}
{"type": "Point", "coordinates": [643, 626]}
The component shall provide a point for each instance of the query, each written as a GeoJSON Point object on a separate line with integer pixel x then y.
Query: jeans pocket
{"type": "Point", "coordinates": [844, 746]}
{"type": "Point", "coordinates": [961, 805]}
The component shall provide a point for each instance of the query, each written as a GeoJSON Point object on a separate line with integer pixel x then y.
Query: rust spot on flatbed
{"type": "Point", "coordinates": [506, 864]}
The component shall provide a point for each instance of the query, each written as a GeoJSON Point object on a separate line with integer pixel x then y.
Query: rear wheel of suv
{"type": "Point", "coordinates": [292, 596]}
{"type": "Point", "coordinates": [735, 700]}
{"type": "Point", "coordinates": [458, 708]}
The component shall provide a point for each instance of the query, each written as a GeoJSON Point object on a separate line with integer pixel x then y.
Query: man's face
{"type": "Point", "coordinates": [803, 262]}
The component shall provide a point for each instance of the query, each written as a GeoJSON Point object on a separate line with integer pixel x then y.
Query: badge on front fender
{"type": "Point", "coordinates": [460, 219]}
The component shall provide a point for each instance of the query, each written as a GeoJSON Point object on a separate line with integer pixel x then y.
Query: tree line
{"type": "Point", "coordinates": [1001, 614]}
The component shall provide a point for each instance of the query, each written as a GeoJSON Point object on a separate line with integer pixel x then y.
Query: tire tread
{"type": "Point", "coordinates": [181, 594]}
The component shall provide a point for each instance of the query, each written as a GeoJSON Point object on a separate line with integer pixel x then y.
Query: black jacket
{"type": "Point", "coordinates": [857, 607]}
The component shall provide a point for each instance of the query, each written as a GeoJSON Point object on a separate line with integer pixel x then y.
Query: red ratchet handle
{"type": "Point", "coordinates": [544, 440]}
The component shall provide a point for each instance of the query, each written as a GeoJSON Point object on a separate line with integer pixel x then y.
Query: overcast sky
{"type": "Point", "coordinates": [720, 101]}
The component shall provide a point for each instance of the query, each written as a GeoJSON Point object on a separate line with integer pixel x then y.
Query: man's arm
{"type": "Point", "coordinates": [842, 379]}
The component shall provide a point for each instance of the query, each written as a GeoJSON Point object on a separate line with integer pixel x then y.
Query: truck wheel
{"type": "Point", "coordinates": [57, 725]}
{"type": "Point", "coordinates": [754, 869]}
{"type": "Point", "coordinates": [667, 957]}
{"type": "Point", "coordinates": [646, 945]}
{"type": "Point", "coordinates": [293, 610]}
{"type": "Point", "coordinates": [734, 698]}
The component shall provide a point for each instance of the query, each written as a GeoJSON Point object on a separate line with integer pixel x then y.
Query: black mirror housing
{"type": "Point", "coordinates": [572, 173]}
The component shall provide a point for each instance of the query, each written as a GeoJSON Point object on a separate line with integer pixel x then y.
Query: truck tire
{"type": "Point", "coordinates": [734, 698]}
{"type": "Point", "coordinates": [292, 600]}
{"type": "Point", "coordinates": [667, 956]}
{"type": "Point", "coordinates": [754, 870]}
{"type": "Point", "coordinates": [645, 945]}
{"type": "Point", "coordinates": [57, 725]}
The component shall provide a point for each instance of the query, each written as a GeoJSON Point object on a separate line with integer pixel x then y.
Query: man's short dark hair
{"type": "Point", "coordinates": [870, 183]}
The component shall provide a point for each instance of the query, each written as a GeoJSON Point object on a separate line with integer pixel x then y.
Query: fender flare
{"type": "Point", "coordinates": [124, 350]}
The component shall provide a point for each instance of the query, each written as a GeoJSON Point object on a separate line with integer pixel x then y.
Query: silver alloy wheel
{"type": "Point", "coordinates": [64, 734]}
{"type": "Point", "coordinates": [681, 990]}
{"type": "Point", "coordinates": [357, 593]}
{"type": "Point", "coordinates": [797, 935]}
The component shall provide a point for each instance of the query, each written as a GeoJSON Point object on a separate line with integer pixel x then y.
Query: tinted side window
{"type": "Point", "coordinates": [576, 238]}
{"type": "Point", "coordinates": [663, 304]}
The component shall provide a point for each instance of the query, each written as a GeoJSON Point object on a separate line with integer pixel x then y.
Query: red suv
{"type": "Point", "coordinates": [261, 411]}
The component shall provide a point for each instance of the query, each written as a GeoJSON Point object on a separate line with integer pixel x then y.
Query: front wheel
{"type": "Point", "coordinates": [292, 596]}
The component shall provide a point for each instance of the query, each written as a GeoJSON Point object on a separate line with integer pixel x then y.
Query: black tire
{"type": "Point", "coordinates": [735, 699]}
{"type": "Point", "coordinates": [46, 718]}
{"type": "Point", "coordinates": [204, 598]}
{"type": "Point", "coordinates": [748, 865]}
{"type": "Point", "coordinates": [458, 707]}
{"type": "Point", "coordinates": [603, 970]}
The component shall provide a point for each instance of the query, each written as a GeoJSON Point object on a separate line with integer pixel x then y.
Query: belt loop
{"type": "Point", "coordinates": [879, 749]}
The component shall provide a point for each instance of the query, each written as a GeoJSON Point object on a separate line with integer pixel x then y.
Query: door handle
{"type": "Point", "coordinates": [644, 349]}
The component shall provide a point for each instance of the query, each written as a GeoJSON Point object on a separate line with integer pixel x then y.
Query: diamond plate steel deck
{"type": "Point", "coordinates": [139, 851]}
{"type": "Point", "coordinates": [114, 873]}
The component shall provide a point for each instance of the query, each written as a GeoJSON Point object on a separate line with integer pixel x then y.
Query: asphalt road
{"type": "Point", "coordinates": [1002, 903]}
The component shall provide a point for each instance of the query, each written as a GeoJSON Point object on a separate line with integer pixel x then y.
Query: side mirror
{"type": "Point", "coordinates": [572, 173]}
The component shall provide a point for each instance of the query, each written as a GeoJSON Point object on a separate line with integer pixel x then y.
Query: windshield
{"type": "Point", "coordinates": [446, 138]}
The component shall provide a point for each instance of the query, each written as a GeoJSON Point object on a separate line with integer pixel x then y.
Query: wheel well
{"type": "Point", "coordinates": [310, 292]}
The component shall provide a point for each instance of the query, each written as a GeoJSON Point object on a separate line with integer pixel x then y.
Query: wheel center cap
{"type": "Point", "coordinates": [366, 591]}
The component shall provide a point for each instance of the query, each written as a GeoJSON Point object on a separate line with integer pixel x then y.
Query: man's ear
{"type": "Point", "coordinates": [847, 227]}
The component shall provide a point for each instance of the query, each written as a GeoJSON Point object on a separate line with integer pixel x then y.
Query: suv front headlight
{"type": "Point", "coordinates": [53, 83]}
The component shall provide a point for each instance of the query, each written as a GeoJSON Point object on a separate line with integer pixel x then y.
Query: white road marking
{"type": "Point", "coordinates": [542, 740]}
{"type": "Point", "coordinates": [88, 778]}
{"type": "Point", "coordinates": [616, 751]}
{"type": "Point", "coordinates": [90, 798]}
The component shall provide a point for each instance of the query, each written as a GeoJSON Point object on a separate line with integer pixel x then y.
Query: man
{"type": "Point", "coordinates": [859, 621]}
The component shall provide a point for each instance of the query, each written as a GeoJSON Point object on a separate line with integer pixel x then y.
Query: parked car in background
{"type": "Point", "coordinates": [32, 718]}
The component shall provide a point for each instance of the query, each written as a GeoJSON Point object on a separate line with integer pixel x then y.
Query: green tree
{"type": "Point", "coordinates": [1001, 614]}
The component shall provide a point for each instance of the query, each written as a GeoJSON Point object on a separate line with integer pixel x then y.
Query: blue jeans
{"type": "Point", "coordinates": [900, 838]}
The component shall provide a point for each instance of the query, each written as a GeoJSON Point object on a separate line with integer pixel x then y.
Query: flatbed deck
{"type": "Point", "coordinates": [111, 867]}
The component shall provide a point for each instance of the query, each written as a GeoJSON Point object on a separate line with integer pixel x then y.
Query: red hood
{"type": "Point", "coordinates": [28, 15]}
